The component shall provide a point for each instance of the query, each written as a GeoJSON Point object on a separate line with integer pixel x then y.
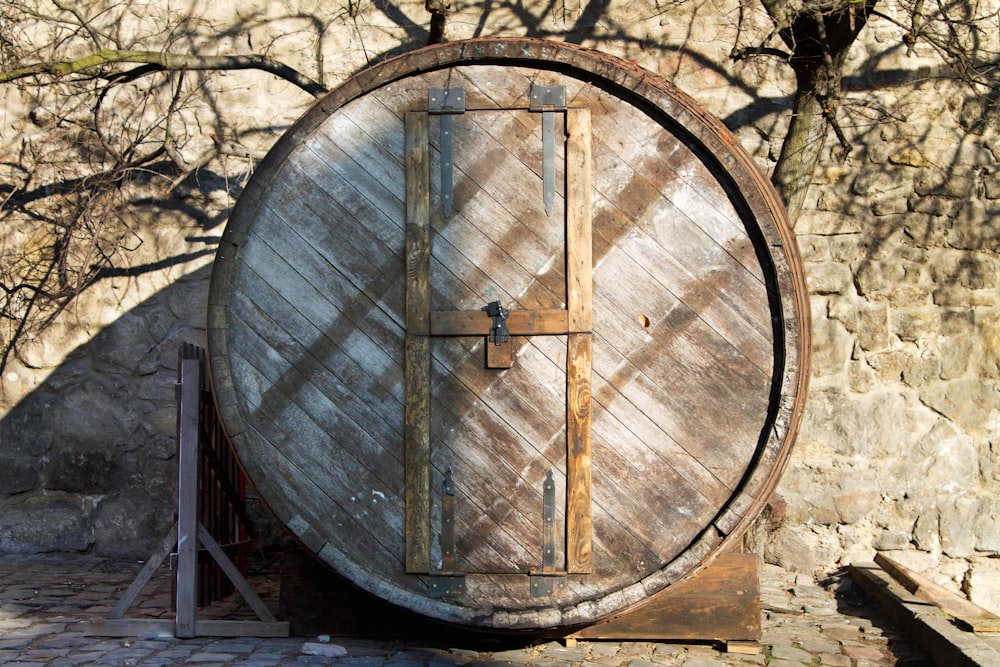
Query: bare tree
{"type": "Point", "coordinates": [115, 108]}
{"type": "Point", "coordinates": [816, 37]}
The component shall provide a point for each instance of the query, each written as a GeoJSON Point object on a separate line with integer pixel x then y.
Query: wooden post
{"type": "Point", "coordinates": [187, 498]}
{"type": "Point", "coordinates": [417, 371]}
{"type": "Point", "coordinates": [579, 293]}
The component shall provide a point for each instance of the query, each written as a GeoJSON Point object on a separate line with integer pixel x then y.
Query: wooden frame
{"type": "Point", "coordinates": [187, 534]}
{"type": "Point", "coordinates": [575, 322]}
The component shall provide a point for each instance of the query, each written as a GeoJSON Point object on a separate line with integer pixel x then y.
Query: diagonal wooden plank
{"type": "Point", "coordinates": [233, 572]}
{"type": "Point", "coordinates": [145, 574]}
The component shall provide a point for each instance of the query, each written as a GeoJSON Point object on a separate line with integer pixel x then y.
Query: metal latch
{"type": "Point", "coordinates": [445, 102]}
{"type": "Point", "coordinates": [548, 100]}
{"type": "Point", "coordinates": [499, 351]}
{"type": "Point", "coordinates": [499, 333]}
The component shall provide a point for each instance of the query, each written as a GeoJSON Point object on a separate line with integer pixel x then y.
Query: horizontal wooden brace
{"type": "Point", "coordinates": [519, 322]}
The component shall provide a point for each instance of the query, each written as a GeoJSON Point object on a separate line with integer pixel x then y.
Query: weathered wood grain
{"type": "Point", "coordinates": [657, 347]}
{"type": "Point", "coordinates": [417, 369]}
{"type": "Point", "coordinates": [520, 323]}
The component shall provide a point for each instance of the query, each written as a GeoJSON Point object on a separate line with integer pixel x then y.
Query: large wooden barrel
{"type": "Point", "coordinates": [510, 333]}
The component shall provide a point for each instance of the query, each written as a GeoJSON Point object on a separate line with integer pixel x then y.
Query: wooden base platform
{"type": "Point", "coordinates": [722, 604]}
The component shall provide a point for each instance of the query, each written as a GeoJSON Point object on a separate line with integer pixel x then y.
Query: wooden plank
{"type": "Point", "coordinates": [499, 192]}
{"type": "Point", "coordinates": [579, 296]}
{"type": "Point", "coordinates": [235, 576]}
{"type": "Point", "coordinates": [579, 247]}
{"type": "Point", "coordinates": [499, 355]}
{"type": "Point", "coordinates": [291, 412]}
{"type": "Point", "coordinates": [968, 613]}
{"type": "Point", "coordinates": [345, 380]}
{"type": "Point", "coordinates": [701, 256]}
{"type": "Point", "coordinates": [492, 450]}
{"type": "Point", "coordinates": [296, 455]}
{"type": "Point", "coordinates": [417, 449]}
{"type": "Point", "coordinates": [519, 322]}
{"type": "Point", "coordinates": [284, 275]}
{"type": "Point", "coordinates": [418, 245]}
{"type": "Point", "coordinates": [187, 497]}
{"type": "Point", "coordinates": [930, 627]}
{"type": "Point", "coordinates": [166, 545]}
{"type": "Point", "coordinates": [417, 369]}
{"type": "Point", "coordinates": [346, 449]}
{"type": "Point", "coordinates": [147, 628]}
{"type": "Point", "coordinates": [578, 441]}
{"type": "Point", "coordinates": [498, 234]}
{"type": "Point", "coordinates": [720, 603]}
{"type": "Point", "coordinates": [228, 628]}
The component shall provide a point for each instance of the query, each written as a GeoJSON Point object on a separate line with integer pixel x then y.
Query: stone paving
{"type": "Point", "coordinates": [45, 602]}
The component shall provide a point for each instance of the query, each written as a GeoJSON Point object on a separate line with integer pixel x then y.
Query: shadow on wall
{"type": "Point", "coordinates": [87, 460]}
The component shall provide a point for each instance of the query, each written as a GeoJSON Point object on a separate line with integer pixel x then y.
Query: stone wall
{"type": "Point", "coordinates": [900, 446]}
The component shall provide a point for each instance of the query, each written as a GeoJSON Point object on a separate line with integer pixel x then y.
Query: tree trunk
{"type": "Point", "coordinates": [800, 151]}
{"type": "Point", "coordinates": [819, 35]}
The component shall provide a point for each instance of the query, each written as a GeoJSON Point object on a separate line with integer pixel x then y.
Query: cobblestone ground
{"type": "Point", "coordinates": [45, 602]}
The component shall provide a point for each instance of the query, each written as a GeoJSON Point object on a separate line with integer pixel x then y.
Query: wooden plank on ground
{"type": "Point", "coordinates": [968, 613]}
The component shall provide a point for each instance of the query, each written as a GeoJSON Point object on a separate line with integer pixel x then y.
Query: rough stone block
{"type": "Point", "coordinates": [82, 469]}
{"type": "Point", "coordinates": [130, 525]}
{"type": "Point", "coordinates": [958, 182]}
{"type": "Point", "coordinates": [954, 296]}
{"type": "Point", "coordinates": [913, 326]}
{"type": "Point", "coordinates": [939, 207]}
{"type": "Point", "coordinates": [868, 321]}
{"type": "Point", "coordinates": [957, 526]}
{"type": "Point", "coordinates": [831, 347]}
{"type": "Point", "coordinates": [969, 402]}
{"type": "Point", "coordinates": [43, 523]}
{"type": "Point", "coordinates": [828, 278]}
{"type": "Point", "coordinates": [983, 584]}
{"type": "Point", "coordinates": [988, 530]}
{"type": "Point", "coordinates": [18, 474]}
{"type": "Point", "coordinates": [857, 500]}
{"type": "Point", "coordinates": [95, 414]}
{"type": "Point", "coordinates": [974, 226]}
{"type": "Point", "coordinates": [892, 540]}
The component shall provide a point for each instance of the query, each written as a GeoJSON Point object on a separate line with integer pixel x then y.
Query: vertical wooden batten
{"type": "Point", "coordinates": [579, 295]}
{"type": "Point", "coordinates": [417, 391]}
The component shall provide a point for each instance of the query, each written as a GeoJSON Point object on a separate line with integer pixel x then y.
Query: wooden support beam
{"type": "Point", "coordinates": [187, 498]}
{"type": "Point", "coordinates": [579, 246]}
{"type": "Point", "coordinates": [519, 322]}
{"type": "Point", "coordinates": [417, 361]}
{"type": "Point", "coordinates": [167, 545]}
{"type": "Point", "coordinates": [233, 572]}
{"type": "Point", "coordinates": [579, 522]}
{"type": "Point", "coordinates": [579, 363]}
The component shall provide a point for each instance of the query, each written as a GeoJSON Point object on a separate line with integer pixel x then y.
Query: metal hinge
{"type": "Point", "coordinates": [548, 100]}
{"type": "Point", "coordinates": [445, 102]}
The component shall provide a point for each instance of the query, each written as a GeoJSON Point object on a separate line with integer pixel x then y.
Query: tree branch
{"type": "Point", "coordinates": [156, 60]}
